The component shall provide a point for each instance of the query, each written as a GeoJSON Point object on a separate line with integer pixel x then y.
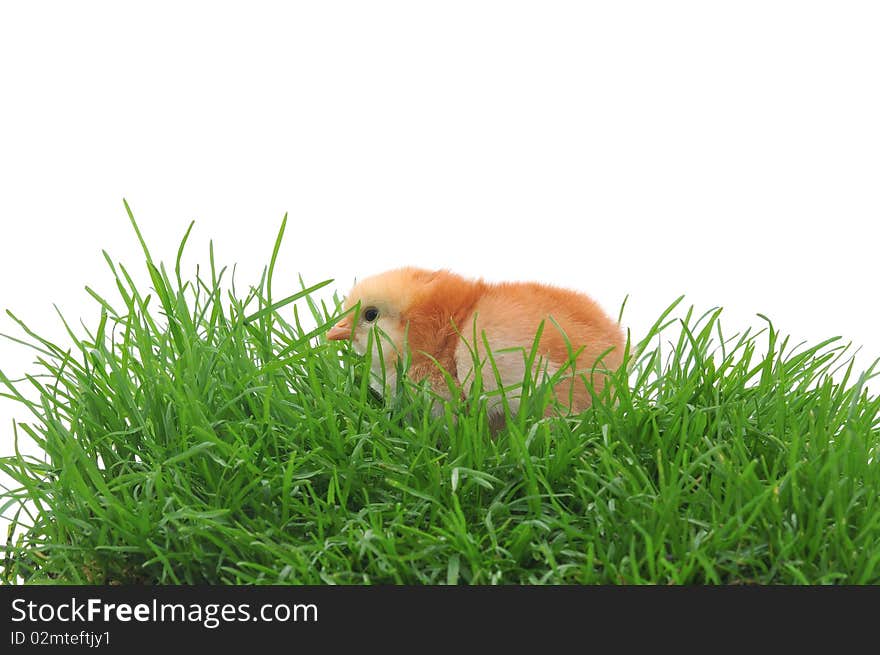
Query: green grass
{"type": "Point", "coordinates": [205, 436]}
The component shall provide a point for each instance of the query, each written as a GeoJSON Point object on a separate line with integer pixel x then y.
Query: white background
{"type": "Point", "coordinates": [726, 151]}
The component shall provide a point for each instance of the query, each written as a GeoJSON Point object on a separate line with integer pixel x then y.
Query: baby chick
{"type": "Point", "coordinates": [439, 317]}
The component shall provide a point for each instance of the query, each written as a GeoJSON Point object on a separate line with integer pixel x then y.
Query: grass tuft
{"type": "Point", "coordinates": [201, 436]}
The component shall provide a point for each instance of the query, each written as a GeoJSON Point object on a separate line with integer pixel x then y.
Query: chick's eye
{"type": "Point", "coordinates": [371, 314]}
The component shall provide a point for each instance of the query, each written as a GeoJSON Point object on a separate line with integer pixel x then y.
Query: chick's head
{"type": "Point", "coordinates": [384, 302]}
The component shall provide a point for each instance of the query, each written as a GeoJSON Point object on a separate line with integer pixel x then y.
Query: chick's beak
{"type": "Point", "coordinates": [339, 332]}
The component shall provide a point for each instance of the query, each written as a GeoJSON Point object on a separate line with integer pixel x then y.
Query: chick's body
{"type": "Point", "coordinates": [439, 317]}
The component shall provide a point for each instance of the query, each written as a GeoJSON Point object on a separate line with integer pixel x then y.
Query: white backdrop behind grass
{"type": "Point", "coordinates": [726, 151]}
